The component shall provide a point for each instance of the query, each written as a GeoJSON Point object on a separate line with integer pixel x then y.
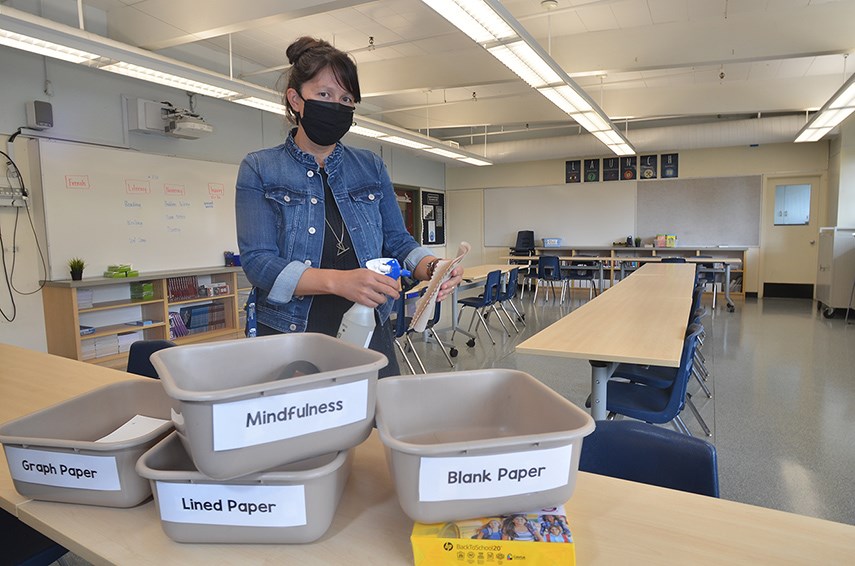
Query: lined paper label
{"type": "Point", "coordinates": [238, 505]}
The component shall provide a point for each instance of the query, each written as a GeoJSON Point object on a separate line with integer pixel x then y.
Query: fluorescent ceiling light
{"type": "Point", "coordinates": [27, 32]}
{"type": "Point", "coordinates": [46, 48]}
{"type": "Point", "coordinates": [262, 104]}
{"type": "Point", "coordinates": [167, 79]}
{"type": "Point", "coordinates": [515, 48]}
{"type": "Point", "coordinates": [832, 113]}
{"type": "Point", "coordinates": [474, 161]}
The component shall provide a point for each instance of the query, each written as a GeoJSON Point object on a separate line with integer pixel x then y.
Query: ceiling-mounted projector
{"type": "Point", "coordinates": [187, 126]}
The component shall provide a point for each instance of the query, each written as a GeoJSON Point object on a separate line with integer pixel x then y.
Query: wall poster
{"type": "Point", "coordinates": [573, 171]}
{"type": "Point", "coordinates": [592, 170]}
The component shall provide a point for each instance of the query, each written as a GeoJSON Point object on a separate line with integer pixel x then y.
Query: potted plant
{"type": "Point", "coordinates": [76, 265]}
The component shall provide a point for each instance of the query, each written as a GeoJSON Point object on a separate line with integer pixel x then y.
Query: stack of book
{"type": "Point", "coordinates": [99, 347]}
{"type": "Point", "coordinates": [142, 291]}
{"type": "Point", "coordinates": [85, 298]}
{"type": "Point", "coordinates": [176, 326]}
{"type": "Point", "coordinates": [204, 318]}
{"type": "Point", "coordinates": [182, 288]}
{"type": "Point", "coordinates": [125, 340]}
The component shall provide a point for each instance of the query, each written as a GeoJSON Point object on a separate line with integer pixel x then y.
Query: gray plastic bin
{"type": "Point", "coordinates": [58, 442]}
{"type": "Point", "coordinates": [239, 412]}
{"type": "Point", "coordinates": [478, 443]}
{"type": "Point", "coordinates": [195, 508]}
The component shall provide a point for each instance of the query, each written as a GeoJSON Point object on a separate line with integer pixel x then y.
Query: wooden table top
{"type": "Point", "coordinates": [613, 521]}
{"type": "Point", "coordinates": [641, 319]}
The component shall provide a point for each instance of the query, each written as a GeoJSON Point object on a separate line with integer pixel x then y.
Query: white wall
{"type": "Point", "coordinates": [87, 107]}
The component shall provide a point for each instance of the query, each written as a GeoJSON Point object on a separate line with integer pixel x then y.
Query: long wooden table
{"type": "Point", "coordinates": [613, 521]}
{"type": "Point", "coordinates": [641, 320]}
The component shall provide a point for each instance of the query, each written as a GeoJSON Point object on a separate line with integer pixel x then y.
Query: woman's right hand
{"type": "Point", "coordinates": [365, 287]}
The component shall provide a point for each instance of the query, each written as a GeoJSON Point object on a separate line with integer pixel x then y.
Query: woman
{"type": "Point", "coordinates": [312, 211]}
{"type": "Point", "coordinates": [518, 527]}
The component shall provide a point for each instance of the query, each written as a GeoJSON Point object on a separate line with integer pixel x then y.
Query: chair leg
{"type": "Point", "coordinates": [536, 287]}
{"type": "Point", "coordinates": [501, 321]}
{"type": "Point", "coordinates": [457, 323]}
{"type": "Point", "coordinates": [404, 355]}
{"type": "Point", "coordinates": [520, 317]}
{"type": "Point", "coordinates": [681, 426]}
{"type": "Point", "coordinates": [510, 318]}
{"type": "Point", "coordinates": [483, 321]}
{"type": "Point", "coordinates": [697, 414]}
{"type": "Point", "coordinates": [701, 381]}
{"type": "Point", "coordinates": [442, 346]}
{"type": "Point", "coordinates": [416, 354]}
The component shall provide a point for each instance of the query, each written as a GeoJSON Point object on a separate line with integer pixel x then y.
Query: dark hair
{"type": "Point", "coordinates": [309, 56]}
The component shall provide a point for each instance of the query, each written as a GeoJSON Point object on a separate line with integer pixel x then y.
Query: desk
{"type": "Point", "coordinates": [727, 261]}
{"type": "Point", "coordinates": [642, 320]}
{"type": "Point", "coordinates": [532, 262]}
{"type": "Point", "coordinates": [613, 521]}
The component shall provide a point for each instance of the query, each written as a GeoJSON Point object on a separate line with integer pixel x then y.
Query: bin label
{"type": "Point", "coordinates": [267, 419]}
{"type": "Point", "coordinates": [238, 505]}
{"type": "Point", "coordinates": [62, 469]}
{"type": "Point", "coordinates": [496, 475]}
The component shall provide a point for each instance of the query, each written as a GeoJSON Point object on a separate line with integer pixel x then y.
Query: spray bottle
{"type": "Point", "coordinates": [357, 324]}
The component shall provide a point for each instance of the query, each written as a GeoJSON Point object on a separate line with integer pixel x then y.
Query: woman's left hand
{"type": "Point", "coordinates": [453, 281]}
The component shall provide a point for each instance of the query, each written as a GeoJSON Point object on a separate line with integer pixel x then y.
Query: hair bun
{"type": "Point", "coordinates": [299, 47]}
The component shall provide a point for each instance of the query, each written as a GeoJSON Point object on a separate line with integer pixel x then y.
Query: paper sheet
{"type": "Point", "coordinates": [426, 305]}
{"type": "Point", "coordinates": [136, 427]}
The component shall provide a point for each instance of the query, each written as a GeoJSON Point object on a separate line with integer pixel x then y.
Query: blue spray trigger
{"type": "Point", "coordinates": [388, 266]}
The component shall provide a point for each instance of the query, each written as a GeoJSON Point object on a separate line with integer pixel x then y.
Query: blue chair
{"type": "Point", "coordinates": [583, 271]}
{"type": "Point", "coordinates": [649, 454]}
{"type": "Point", "coordinates": [708, 275]}
{"type": "Point", "coordinates": [402, 323]}
{"type": "Point", "coordinates": [24, 546]}
{"type": "Point", "coordinates": [139, 354]}
{"type": "Point", "coordinates": [507, 294]}
{"type": "Point", "coordinates": [480, 306]}
{"type": "Point", "coordinates": [549, 271]}
{"type": "Point", "coordinates": [654, 404]}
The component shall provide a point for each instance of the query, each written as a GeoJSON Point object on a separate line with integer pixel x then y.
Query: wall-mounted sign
{"type": "Point", "coordinates": [670, 163]}
{"type": "Point", "coordinates": [592, 170]}
{"type": "Point", "coordinates": [627, 168]}
{"type": "Point", "coordinates": [611, 169]}
{"type": "Point", "coordinates": [647, 166]}
{"type": "Point", "coordinates": [573, 171]}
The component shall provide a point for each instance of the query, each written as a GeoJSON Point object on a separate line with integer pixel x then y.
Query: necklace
{"type": "Point", "coordinates": [339, 244]}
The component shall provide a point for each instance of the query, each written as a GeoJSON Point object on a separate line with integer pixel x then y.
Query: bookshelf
{"type": "Point", "coordinates": [116, 312]}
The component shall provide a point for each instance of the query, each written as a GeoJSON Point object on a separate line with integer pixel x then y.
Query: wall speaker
{"type": "Point", "coordinates": [39, 115]}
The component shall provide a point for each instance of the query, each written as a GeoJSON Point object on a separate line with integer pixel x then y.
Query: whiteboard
{"type": "Point", "coordinates": [155, 212]}
{"type": "Point", "coordinates": [584, 214]}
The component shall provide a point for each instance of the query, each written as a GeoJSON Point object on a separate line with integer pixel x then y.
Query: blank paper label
{"type": "Point", "coordinates": [268, 419]}
{"type": "Point", "coordinates": [484, 477]}
{"type": "Point", "coordinates": [63, 470]}
{"type": "Point", "coordinates": [238, 505]}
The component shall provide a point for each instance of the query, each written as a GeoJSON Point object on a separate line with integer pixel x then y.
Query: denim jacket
{"type": "Point", "coordinates": [280, 223]}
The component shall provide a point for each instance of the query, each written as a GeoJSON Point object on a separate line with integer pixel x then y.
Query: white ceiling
{"type": "Point", "coordinates": [656, 67]}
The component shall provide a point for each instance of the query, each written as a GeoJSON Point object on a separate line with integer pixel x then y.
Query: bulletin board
{"type": "Point", "coordinates": [433, 218]}
{"type": "Point", "coordinates": [580, 214]}
{"type": "Point", "coordinates": [716, 211]}
{"type": "Point", "coordinates": [156, 212]}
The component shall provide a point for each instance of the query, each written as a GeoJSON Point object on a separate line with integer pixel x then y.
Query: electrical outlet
{"type": "Point", "coordinates": [11, 196]}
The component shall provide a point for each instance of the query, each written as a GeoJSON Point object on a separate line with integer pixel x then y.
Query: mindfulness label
{"type": "Point", "coordinates": [62, 469]}
{"type": "Point", "coordinates": [484, 477]}
{"type": "Point", "coordinates": [267, 419]}
{"type": "Point", "coordinates": [239, 505]}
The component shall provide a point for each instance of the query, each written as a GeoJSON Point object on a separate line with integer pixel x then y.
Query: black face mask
{"type": "Point", "coordinates": [325, 122]}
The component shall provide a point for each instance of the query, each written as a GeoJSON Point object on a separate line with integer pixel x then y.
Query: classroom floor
{"type": "Point", "coordinates": [783, 408]}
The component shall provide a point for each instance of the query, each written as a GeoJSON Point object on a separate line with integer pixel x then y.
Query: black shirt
{"type": "Point", "coordinates": [327, 310]}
